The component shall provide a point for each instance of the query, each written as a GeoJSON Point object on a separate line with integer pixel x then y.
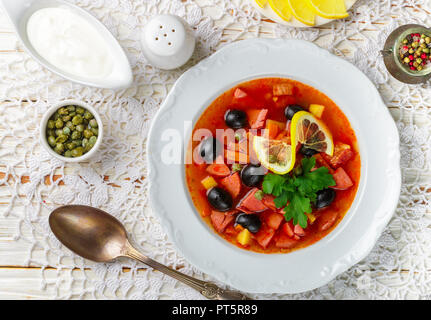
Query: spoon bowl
{"type": "Point", "coordinates": [89, 232]}
{"type": "Point", "coordinates": [19, 12]}
{"type": "Point", "coordinates": [98, 236]}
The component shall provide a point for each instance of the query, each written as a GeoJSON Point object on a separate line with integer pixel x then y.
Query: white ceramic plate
{"type": "Point", "coordinates": [269, 13]}
{"type": "Point", "coordinates": [378, 190]}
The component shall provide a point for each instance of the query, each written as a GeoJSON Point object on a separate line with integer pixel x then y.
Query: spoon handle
{"type": "Point", "coordinates": [207, 289]}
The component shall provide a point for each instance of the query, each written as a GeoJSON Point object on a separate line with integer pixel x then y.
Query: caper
{"type": "Point", "coordinates": [66, 130]}
{"type": "Point", "coordinates": [70, 108]}
{"type": "Point", "coordinates": [75, 135]}
{"type": "Point", "coordinates": [88, 133]}
{"type": "Point", "coordinates": [88, 115]}
{"type": "Point", "coordinates": [66, 118]}
{"type": "Point", "coordinates": [78, 142]}
{"type": "Point", "coordinates": [68, 154]}
{"type": "Point", "coordinates": [77, 152]}
{"type": "Point", "coordinates": [51, 141]}
{"type": "Point", "coordinates": [93, 123]}
{"type": "Point", "coordinates": [80, 128]}
{"type": "Point", "coordinates": [59, 124]}
{"type": "Point", "coordinates": [61, 138]}
{"type": "Point", "coordinates": [95, 131]}
{"type": "Point", "coordinates": [70, 125]}
{"type": "Point", "coordinates": [50, 132]}
{"type": "Point", "coordinates": [58, 132]}
{"type": "Point", "coordinates": [59, 148]}
{"type": "Point", "coordinates": [70, 145]}
{"type": "Point", "coordinates": [80, 110]}
{"type": "Point", "coordinates": [92, 140]}
{"type": "Point", "coordinates": [50, 124]}
{"type": "Point", "coordinates": [84, 142]}
{"type": "Point", "coordinates": [62, 111]}
{"type": "Point", "coordinates": [77, 119]}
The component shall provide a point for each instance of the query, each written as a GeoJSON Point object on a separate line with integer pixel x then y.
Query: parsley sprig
{"type": "Point", "coordinates": [299, 190]}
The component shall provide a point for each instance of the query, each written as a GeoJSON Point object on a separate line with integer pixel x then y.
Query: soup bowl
{"type": "Point", "coordinates": [377, 138]}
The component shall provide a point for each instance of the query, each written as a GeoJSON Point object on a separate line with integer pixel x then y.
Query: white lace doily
{"type": "Point", "coordinates": [33, 184]}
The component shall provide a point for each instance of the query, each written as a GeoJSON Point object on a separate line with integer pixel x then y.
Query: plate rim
{"type": "Point", "coordinates": [348, 259]}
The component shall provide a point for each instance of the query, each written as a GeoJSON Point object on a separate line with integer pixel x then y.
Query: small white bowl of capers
{"type": "Point", "coordinates": [71, 131]}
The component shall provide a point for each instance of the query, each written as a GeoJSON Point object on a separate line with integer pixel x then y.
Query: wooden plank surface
{"type": "Point", "coordinates": [21, 278]}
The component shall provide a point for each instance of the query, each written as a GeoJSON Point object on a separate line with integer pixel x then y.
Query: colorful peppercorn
{"type": "Point", "coordinates": [415, 51]}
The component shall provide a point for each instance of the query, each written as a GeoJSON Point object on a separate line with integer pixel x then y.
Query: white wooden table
{"type": "Point", "coordinates": [20, 279]}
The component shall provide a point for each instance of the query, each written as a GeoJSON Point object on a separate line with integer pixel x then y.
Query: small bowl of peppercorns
{"type": "Point", "coordinates": [407, 53]}
{"type": "Point", "coordinates": [71, 131]}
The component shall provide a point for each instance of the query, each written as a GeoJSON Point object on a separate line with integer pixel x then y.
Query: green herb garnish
{"type": "Point", "coordinates": [298, 191]}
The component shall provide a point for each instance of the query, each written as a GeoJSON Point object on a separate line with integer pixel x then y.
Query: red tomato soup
{"type": "Point", "coordinates": [320, 168]}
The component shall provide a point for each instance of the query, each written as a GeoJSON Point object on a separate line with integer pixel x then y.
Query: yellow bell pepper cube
{"type": "Point", "coordinates": [317, 110]}
{"type": "Point", "coordinates": [311, 217]}
{"type": "Point", "coordinates": [244, 237]}
{"type": "Point", "coordinates": [209, 182]}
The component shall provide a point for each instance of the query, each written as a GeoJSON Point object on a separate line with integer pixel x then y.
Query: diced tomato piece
{"type": "Point", "coordinates": [219, 170]}
{"type": "Point", "coordinates": [257, 118]}
{"type": "Point", "coordinates": [264, 236]}
{"type": "Point", "coordinates": [268, 200]}
{"type": "Point", "coordinates": [283, 241]}
{"type": "Point", "coordinates": [250, 204]}
{"type": "Point", "coordinates": [298, 230]}
{"type": "Point", "coordinates": [236, 157]}
{"type": "Point", "coordinates": [342, 179]}
{"type": "Point", "coordinates": [220, 221]}
{"type": "Point", "coordinates": [232, 184]}
{"type": "Point", "coordinates": [327, 219]}
{"type": "Point", "coordinates": [239, 93]}
{"type": "Point", "coordinates": [342, 154]}
{"type": "Point", "coordinates": [282, 89]}
{"type": "Point", "coordinates": [287, 228]}
{"type": "Point", "coordinates": [273, 220]}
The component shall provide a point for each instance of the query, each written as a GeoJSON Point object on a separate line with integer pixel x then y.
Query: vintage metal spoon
{"type": "Point", "coordinates": [98, 236]}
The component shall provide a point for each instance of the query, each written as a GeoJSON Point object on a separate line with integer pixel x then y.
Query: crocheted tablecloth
{"type": "Point", "coordinates": [33, 264]}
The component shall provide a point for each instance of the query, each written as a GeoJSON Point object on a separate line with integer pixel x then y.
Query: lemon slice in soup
{"type": "Point", "coordinates": [311, 133]}
{"type": "Point", "coordinates": [275, 155]}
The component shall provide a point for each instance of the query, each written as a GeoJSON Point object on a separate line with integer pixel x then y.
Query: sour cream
{"type": "Point", "coordinates": [69, 42]}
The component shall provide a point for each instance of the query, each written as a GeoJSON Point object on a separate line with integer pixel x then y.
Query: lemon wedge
{"type": "Point", "coordinates": [302, 10]}
{"type": "Point", "coordinates": [311, 132]}
{"type": "Point", "coordinates": [261, 3]}
{"type": "Point", "coordinates": [281, 8]}
{"type": "Point", "coordinates": [330, 9]}
{"type": "Point", "coordinates": [275, 155]}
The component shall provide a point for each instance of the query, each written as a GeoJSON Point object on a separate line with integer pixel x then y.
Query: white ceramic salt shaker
{"type": "Point", "coordinates": [167, 41]}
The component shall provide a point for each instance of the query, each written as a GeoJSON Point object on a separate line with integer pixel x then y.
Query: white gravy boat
{"type": "Point", "coordinates": [19, 11]}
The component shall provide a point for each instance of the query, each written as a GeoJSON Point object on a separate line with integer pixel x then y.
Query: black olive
{"type": "Point", "coordinates": [209, 149]}
{"type": "Point", "coordinates": [249, 221]}
{"type": "Point", "coordinates": [220, 199]}
{"type": "Point", "coordinates": [252, 175]}
{"type": "Point", "coordinates": [324, 198]}
{"type": "Point", "coordinates": [290, 111]}
{"type": "Point", "coordinates": [308, 152]}
{"type": "Point", "coordinates": [236, 119]}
